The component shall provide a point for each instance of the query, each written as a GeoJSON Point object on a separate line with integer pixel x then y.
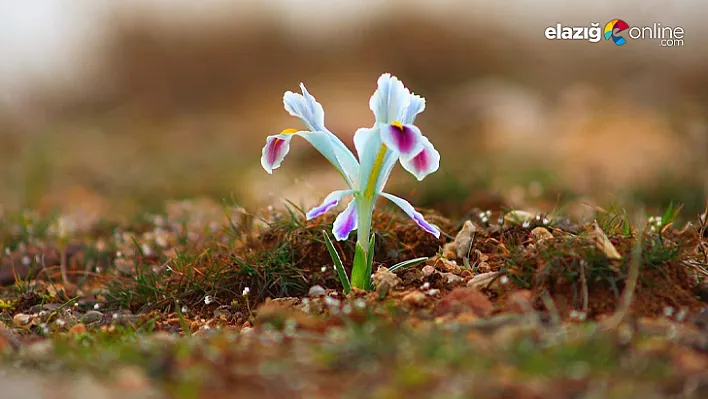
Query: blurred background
{"type": "Point", "coordinates": [118, 106]}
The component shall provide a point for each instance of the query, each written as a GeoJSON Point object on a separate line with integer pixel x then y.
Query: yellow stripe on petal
{"type": "Point", "coordinates": [375, 170]}
{"type": "Point", "coordinates": [289, 131]}
{"type": "Point", "coordinates": [397, 124]}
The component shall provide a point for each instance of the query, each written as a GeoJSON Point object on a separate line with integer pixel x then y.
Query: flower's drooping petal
{"type": "Point", "coordinates": [305, 107]}
{"type": "Point", "coordinates": [404, 139]}
{"type": "Point", "coordinates": [413, 214]}
{"type": "Point", "coordinates": [415, 106]}
{"type": "Point", "coordinates": [277, 146]}
{"type": "Point", "coordinates": [329, 202]}
{"type": "Point", "coordinates": [426, 162]}
{"type": "Point", "coordinates": [390, 99]}
{"type": "Point", "coordinates": [346, 222]}
{"type": "Point", "coordinates": [275, 150]}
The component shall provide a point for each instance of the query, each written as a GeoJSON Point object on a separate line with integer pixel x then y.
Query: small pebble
{"type": "Point", "coordinates": [540, 234]}
{"type": "Point", "coordinates": [92, 316]}
{"type": "Point", "coordinates": [22, 320]}
{"type": "Point", "coordinates": [222, 313]}
{"type": "Point", "coordinates": [451, 278]}
{"type": "Point", "coordinates": [316, 290]}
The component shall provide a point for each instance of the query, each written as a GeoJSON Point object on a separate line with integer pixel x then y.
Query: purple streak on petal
{"type": "Point", "coordinates": [345, 222]}
{"type": "Point", "coordinates": [425, 162]}
{"type": "Point", "coordinates": [413, 214]}
{"type": "Point", "coordinates": [274, 151]}
{"type": "Point", "coordinates": [321, 210]}
{"type": "Point", "coordinates": [422, 160]}
{"type": "Point", "coordinates": [420, 221]}
{"type": "Point", "coordinates": [403, 138]}
{"type": "Point", "coordinates": [328, 203]}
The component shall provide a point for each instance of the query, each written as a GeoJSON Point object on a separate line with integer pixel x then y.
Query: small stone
{"type": "Point", "coordinates": [414, 298]}
{"type": "Point", "coordinates": [603, 243]}
{"type": "Point", "coordinates": [49, 307]}
{"type": "Point", "coordinates": [222, 313]}
{"type": "Point", "coordinates": [22, 320]}
{"type": "Point", "coordinates": [451, 278]}
{"type": "Point", "coordinates": [428, 270]}
{"type": "Point", "coordinates": [463, 239]}
{"type": "Point", "coordinates": [316, 290]}
{"type": "Point", "coordinates": [92, 316]}
{"type": "Point", "coordinates": [449, 266]}
{"type": "Point", "coordinates": [77, 329]}
{"type": "Point", "coordinates": [481, 281]}
{"type": "Point", "coordinates": [540, 234]}
{"type": "Point", "coordinates": [384, 281]}
{"type": "Point", "coordinates": [449, 251]}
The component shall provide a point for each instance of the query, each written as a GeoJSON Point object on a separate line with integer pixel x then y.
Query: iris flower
{"type": "Point", "coordinates": [393, 138]}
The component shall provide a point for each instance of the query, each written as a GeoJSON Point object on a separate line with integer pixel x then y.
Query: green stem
{"type": "Point", "coordinates": [360, 277]}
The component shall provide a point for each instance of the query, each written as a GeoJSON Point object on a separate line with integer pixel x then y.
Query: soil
{"type": "Point", "coordinates": [243, 316]}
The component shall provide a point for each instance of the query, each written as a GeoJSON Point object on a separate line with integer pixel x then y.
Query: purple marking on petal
{"type": "Point", "coordinates": [420, 221]}
{"type": "Point", "coordinates": [421, 161]}
{"type": "Point", "coordinates": [413, 214]}
{"type": "Point", "coordinates": [345, 223]}
{"type": "Point", "coordinates": [347, 226]}
{"type": "Point", "coordinates": [424, 162]}
{"type": "Point", "coordinates": [404, 138]}
{"type": "Point", "coordinates": [274, 149]}
{"type": "Point", "coordinates": [321, 210]}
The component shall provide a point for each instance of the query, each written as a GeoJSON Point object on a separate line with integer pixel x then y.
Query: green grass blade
{"type": "Point", "coordinates": [360, 278]}
{"type": "Point", "coordinates": [338, 266]}
{"type": "Point", "coordinates": [407, 263]}
{"type": "Point", "coordinates": [370, 260]}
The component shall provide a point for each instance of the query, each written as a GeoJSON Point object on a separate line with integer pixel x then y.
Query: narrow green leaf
{"type": "Point", "coordinates": [359, 277]}
{"type": "Point", "coordinates": [667, 218]}
{"type": "Point", "coordinates": [626, 227]}
{"type": "Point", "coordinates": [338, 266]}
{"type": "Point", "coordinates": [370, 260]}
{"type": "Point", "coordinates": [407, 263]}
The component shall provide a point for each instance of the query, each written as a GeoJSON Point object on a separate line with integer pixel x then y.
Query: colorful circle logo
{"type": "Point", "coordinates": [619, 25]}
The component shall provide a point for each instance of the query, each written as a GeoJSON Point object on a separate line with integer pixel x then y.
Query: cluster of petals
{"type": "Point", "coordinates": [393, 139]}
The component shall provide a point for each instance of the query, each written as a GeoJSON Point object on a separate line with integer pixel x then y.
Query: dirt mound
{"type": "Point", "coordinates": [580, 277]}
